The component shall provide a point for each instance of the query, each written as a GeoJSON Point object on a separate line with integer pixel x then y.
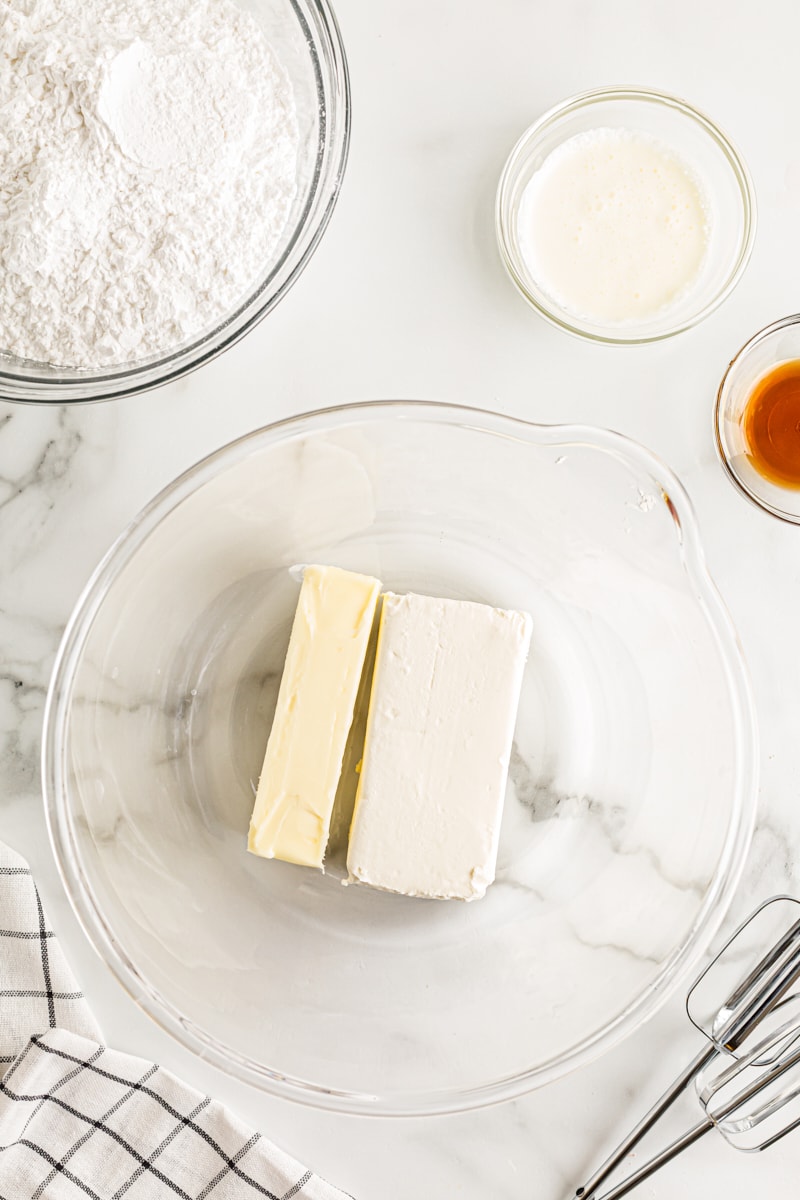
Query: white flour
{"type": "Point", "coordinates": [147, 168]}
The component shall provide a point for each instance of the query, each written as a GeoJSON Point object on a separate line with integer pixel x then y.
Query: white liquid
{"type": "Point", "coordinates": [614, 226]}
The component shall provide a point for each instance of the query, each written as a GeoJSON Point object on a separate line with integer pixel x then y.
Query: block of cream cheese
{"type": "Point", "coordinates": [296, 791]}
{"type": "Point", "coordinates": [441, 719]}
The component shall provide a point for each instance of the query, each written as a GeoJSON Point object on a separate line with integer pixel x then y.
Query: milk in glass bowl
{"type": "Point", "coordinates": [625, 215]}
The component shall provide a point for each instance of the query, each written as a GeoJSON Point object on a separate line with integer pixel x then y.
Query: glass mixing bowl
{"type": "Point", "coordinates": [699, 142]}
{"type": "Point", "coordinates": [632, 783]}
{"type": "Point", "coordinates": [306, 39]}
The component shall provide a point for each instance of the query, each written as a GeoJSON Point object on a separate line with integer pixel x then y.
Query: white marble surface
{"type": "Point", "coordinates": [406, 298]}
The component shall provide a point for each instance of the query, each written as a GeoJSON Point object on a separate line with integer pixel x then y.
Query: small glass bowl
{"type": "Point", "coordinates": [767, 349]}
{"type": "Point", "coordinates": [306, 39]}
{"type": "Point", "coordinates": [699, 142]}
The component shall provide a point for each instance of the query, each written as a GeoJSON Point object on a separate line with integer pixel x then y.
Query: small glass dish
{"type": "Point", "coordinates": [632, 780]}
{"type": "Point", "coordinates": [775, 344]}
{"type": "Point", "coordinates": [699, 142]}
{"type": "Point", "coordinates": [306, 39]}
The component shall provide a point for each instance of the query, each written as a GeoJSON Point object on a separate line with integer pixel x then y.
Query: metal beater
{"type": "Point", "coordinates": [747, 1078]}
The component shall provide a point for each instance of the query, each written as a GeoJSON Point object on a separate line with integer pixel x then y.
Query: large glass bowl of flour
{"type": "Point", "coordinates": [242, 139]}
{"type": "Point", "coordinates": [632, 781]}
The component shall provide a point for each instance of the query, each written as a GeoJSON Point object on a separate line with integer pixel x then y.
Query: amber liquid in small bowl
{"type": "Point", "coordinates": [771, 425]}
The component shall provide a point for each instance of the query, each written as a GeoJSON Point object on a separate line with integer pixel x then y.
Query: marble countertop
{"type": "Point", "coordinates": [406, 298]}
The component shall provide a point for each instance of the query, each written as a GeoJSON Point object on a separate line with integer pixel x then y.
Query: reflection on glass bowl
{"type": "Point", "coordinates": [632, 787]}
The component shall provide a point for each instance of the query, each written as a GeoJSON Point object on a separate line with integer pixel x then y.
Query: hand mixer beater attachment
{"type": "Point", "coordinates": [747, 1076]}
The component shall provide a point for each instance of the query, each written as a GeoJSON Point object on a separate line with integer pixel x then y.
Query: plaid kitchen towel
{"type": "Point", "coordinates": [78, 1120]}
{"type": "Point", "coordinates": [37, 988]}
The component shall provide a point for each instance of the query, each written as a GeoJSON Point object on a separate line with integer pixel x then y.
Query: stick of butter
{"type": "Point", "coordinates": [297, 788]}
{"type": "Point", "coordinates": [441, 719]}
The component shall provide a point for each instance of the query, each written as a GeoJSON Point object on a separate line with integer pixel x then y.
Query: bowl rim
{"type": "Point", "coordinates": [762, 335]}
{"type": "Point", "coordinates": [320, 28]}
{"type": "Point", "coordinates": [448, 1100]}
{"type": "Point", "coordinates": [507, 240]}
